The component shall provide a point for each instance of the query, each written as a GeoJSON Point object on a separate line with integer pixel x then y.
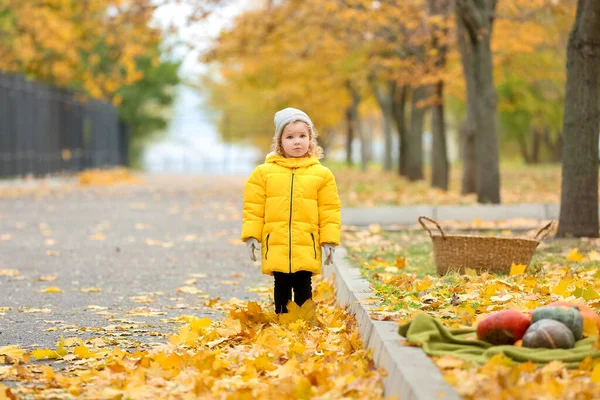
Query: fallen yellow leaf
{"type": "Point", "coordinates": [374, 228]}
{"type": "Point", "coordinates": [189, 290]}
{"type": "Point", "coordinates": [575, 255]}
{"type": "Point", "coordinates": [52, 289]}
{"type": "Point", "coordinates": [306, 312]}
{"type": "Point", "coordinates": [98, 236]}
{"type": "Point", "coordinates": [83, 352]}
{"type": "Point", "coordinates": [561, 287]}
{"type": "Point", "coordinates": [72, 341]}
{"type": "Point", "coordinates": [590, 293]}
{"type": "Point", "coordinates": [45, 353]}
{"type": "Point", "coordinates": [590, 328]}
{"type": "Point", "coordinates": [13, 352]}
{"type": "Point", "coordinates": [400, 262]}
{"type": "Point", "coordinates": [595, 377]}
{"type": "Point", "coordinates": [517, 269]}
{"type": "Point", "coordinates": [424, 284]}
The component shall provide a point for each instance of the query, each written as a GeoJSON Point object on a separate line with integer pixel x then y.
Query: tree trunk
{"type": "Point", "coordinates": [467, 128]}
{"type": "Point", "coordinates": [387, 133]}
{"type": "Point", "coordinates": [535, 145]}
{"type": "Point", "coordinates": [579, 191]}
{"type": "Point", "coordinates": [475, 22]}
{"type": "Point", "coordinates": [384, 99]}
{"type": "Point", "coordinates": [399, 110]}
{"type": "Point", "coordinates": [522, 141]}
{"type": "Point", "coordinates": [439, 157]}
{"type": "Point", "coordinates": [439, 153]}
{"type": "Point", "coordinates": [554, 146]}
{"type": "Point", "coordinates": [366, 147]}
{"type": "Point", "coordinates": [414, 162]}
{"type": "Point", "coordinates": [358, 129]}
{"type": "Point", "coordinates": [467, 135]}
{"type": "Point", "coordinates": [531, 152]}
{"type": "Point", "coordinates": [349, 136]}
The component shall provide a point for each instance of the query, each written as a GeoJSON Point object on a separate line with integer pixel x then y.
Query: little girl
{"type": "Point", "coordinates": [291, 209]}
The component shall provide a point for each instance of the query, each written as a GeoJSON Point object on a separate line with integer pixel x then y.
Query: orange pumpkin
{"type": "Point", "coordinates": [585, 311]}
{"type": "Point", "coordinates": [503, 327]}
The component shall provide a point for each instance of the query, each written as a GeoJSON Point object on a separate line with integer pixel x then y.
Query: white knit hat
{"type": "Point", "coordinates": [287, 115]}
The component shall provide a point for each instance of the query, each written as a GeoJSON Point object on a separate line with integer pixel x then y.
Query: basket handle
{"type": "Point", "coordinates": [545, 231]}
{"type": "Point", "coordinates": [421, 218]}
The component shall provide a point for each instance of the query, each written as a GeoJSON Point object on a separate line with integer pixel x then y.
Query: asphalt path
{"type": "Point", "coordinates": [128, 259]}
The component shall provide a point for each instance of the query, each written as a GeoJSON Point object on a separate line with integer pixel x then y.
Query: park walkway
{"type": "Point", "coordinates": [122, 255]}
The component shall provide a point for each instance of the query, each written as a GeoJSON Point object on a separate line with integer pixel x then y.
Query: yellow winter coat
{"type": "Point", "coordinates": [291, 205]}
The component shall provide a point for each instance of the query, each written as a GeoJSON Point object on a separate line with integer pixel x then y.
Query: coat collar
{"type": "Point", "coordinates": [301, 162]}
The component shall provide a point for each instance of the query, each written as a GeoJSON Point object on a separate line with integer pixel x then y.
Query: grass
{"type": "Point", "coordinates": [397, 263]}
{"type": "Point", "coordinates": [401, 271]}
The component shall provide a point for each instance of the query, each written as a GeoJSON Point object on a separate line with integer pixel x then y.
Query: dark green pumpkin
{"type": "Point", "coordinates": [570, 316]}
{"type": "Point", "coordinates": [550, 334]}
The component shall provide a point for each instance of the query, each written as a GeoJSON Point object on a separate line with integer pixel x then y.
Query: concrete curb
{"type": "Point", "coordinates": [411, 374]}
{"type": "Point", "coordinates": [485, 212]}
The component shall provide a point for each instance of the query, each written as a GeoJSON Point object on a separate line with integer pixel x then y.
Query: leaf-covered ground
{"type": "Point", "coordinates": [143, 290]}
{"type": "Point", "coordinates": [401, 269]}
{"type": "Point", "coordinates": [519, 184]}
{"type": "Point", "coordinates": [312, 352]}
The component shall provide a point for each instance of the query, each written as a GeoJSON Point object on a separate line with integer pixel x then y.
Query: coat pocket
{"type": "Point", "coordinates": [267, 247]}
{"type": "Point", "coordinates": [312, 235]}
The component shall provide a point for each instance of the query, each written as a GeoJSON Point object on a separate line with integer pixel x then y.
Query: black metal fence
{"type": "Point", "coordinates": [45, 129]}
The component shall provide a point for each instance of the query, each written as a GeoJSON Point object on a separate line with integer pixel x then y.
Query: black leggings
{"type": "Point", "coordinates": [284, 283]}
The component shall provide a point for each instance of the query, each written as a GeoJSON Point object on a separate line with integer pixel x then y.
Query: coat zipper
{"type": "Point", "coordinates": [314, 244]}
{"type": "Point", "coordinates": [290, 224]}
{"type": "Point", "coordinates": [267, 243]}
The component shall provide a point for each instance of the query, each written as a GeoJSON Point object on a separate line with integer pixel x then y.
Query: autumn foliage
{"type": "Point", "coordinates": [92, 45]}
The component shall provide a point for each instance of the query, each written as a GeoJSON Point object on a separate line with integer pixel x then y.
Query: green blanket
{"type": "Point", "coordinates": [437, 340]}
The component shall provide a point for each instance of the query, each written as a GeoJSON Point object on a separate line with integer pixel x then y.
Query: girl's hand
{"type": "Point", "coordinates": [251, 245]}
{"type": "Point", "coordinates": [329, 250]}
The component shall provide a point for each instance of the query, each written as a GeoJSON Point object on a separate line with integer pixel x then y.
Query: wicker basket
{"type": "Point", "coordinates": [493, 254]}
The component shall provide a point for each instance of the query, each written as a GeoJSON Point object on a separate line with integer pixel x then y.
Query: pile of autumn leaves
{"type": "Point", "coordinates": [313, 351]}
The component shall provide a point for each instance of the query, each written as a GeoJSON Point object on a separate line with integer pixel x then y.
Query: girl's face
{"type": "Point", "coordinates": [295, 139]}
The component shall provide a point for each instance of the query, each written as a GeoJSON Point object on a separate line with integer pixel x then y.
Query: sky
{"type": "Point", "coordinates": [202, 34]}
{"type": "Point", "coordinates": [192, 143]}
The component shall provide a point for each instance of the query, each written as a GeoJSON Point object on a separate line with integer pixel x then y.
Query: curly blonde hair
{"type": "Point", "coordinates": [313, 147]}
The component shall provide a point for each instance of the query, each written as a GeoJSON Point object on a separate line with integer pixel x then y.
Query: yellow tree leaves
{"type": "Point", "coordinates": [93, 44]}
